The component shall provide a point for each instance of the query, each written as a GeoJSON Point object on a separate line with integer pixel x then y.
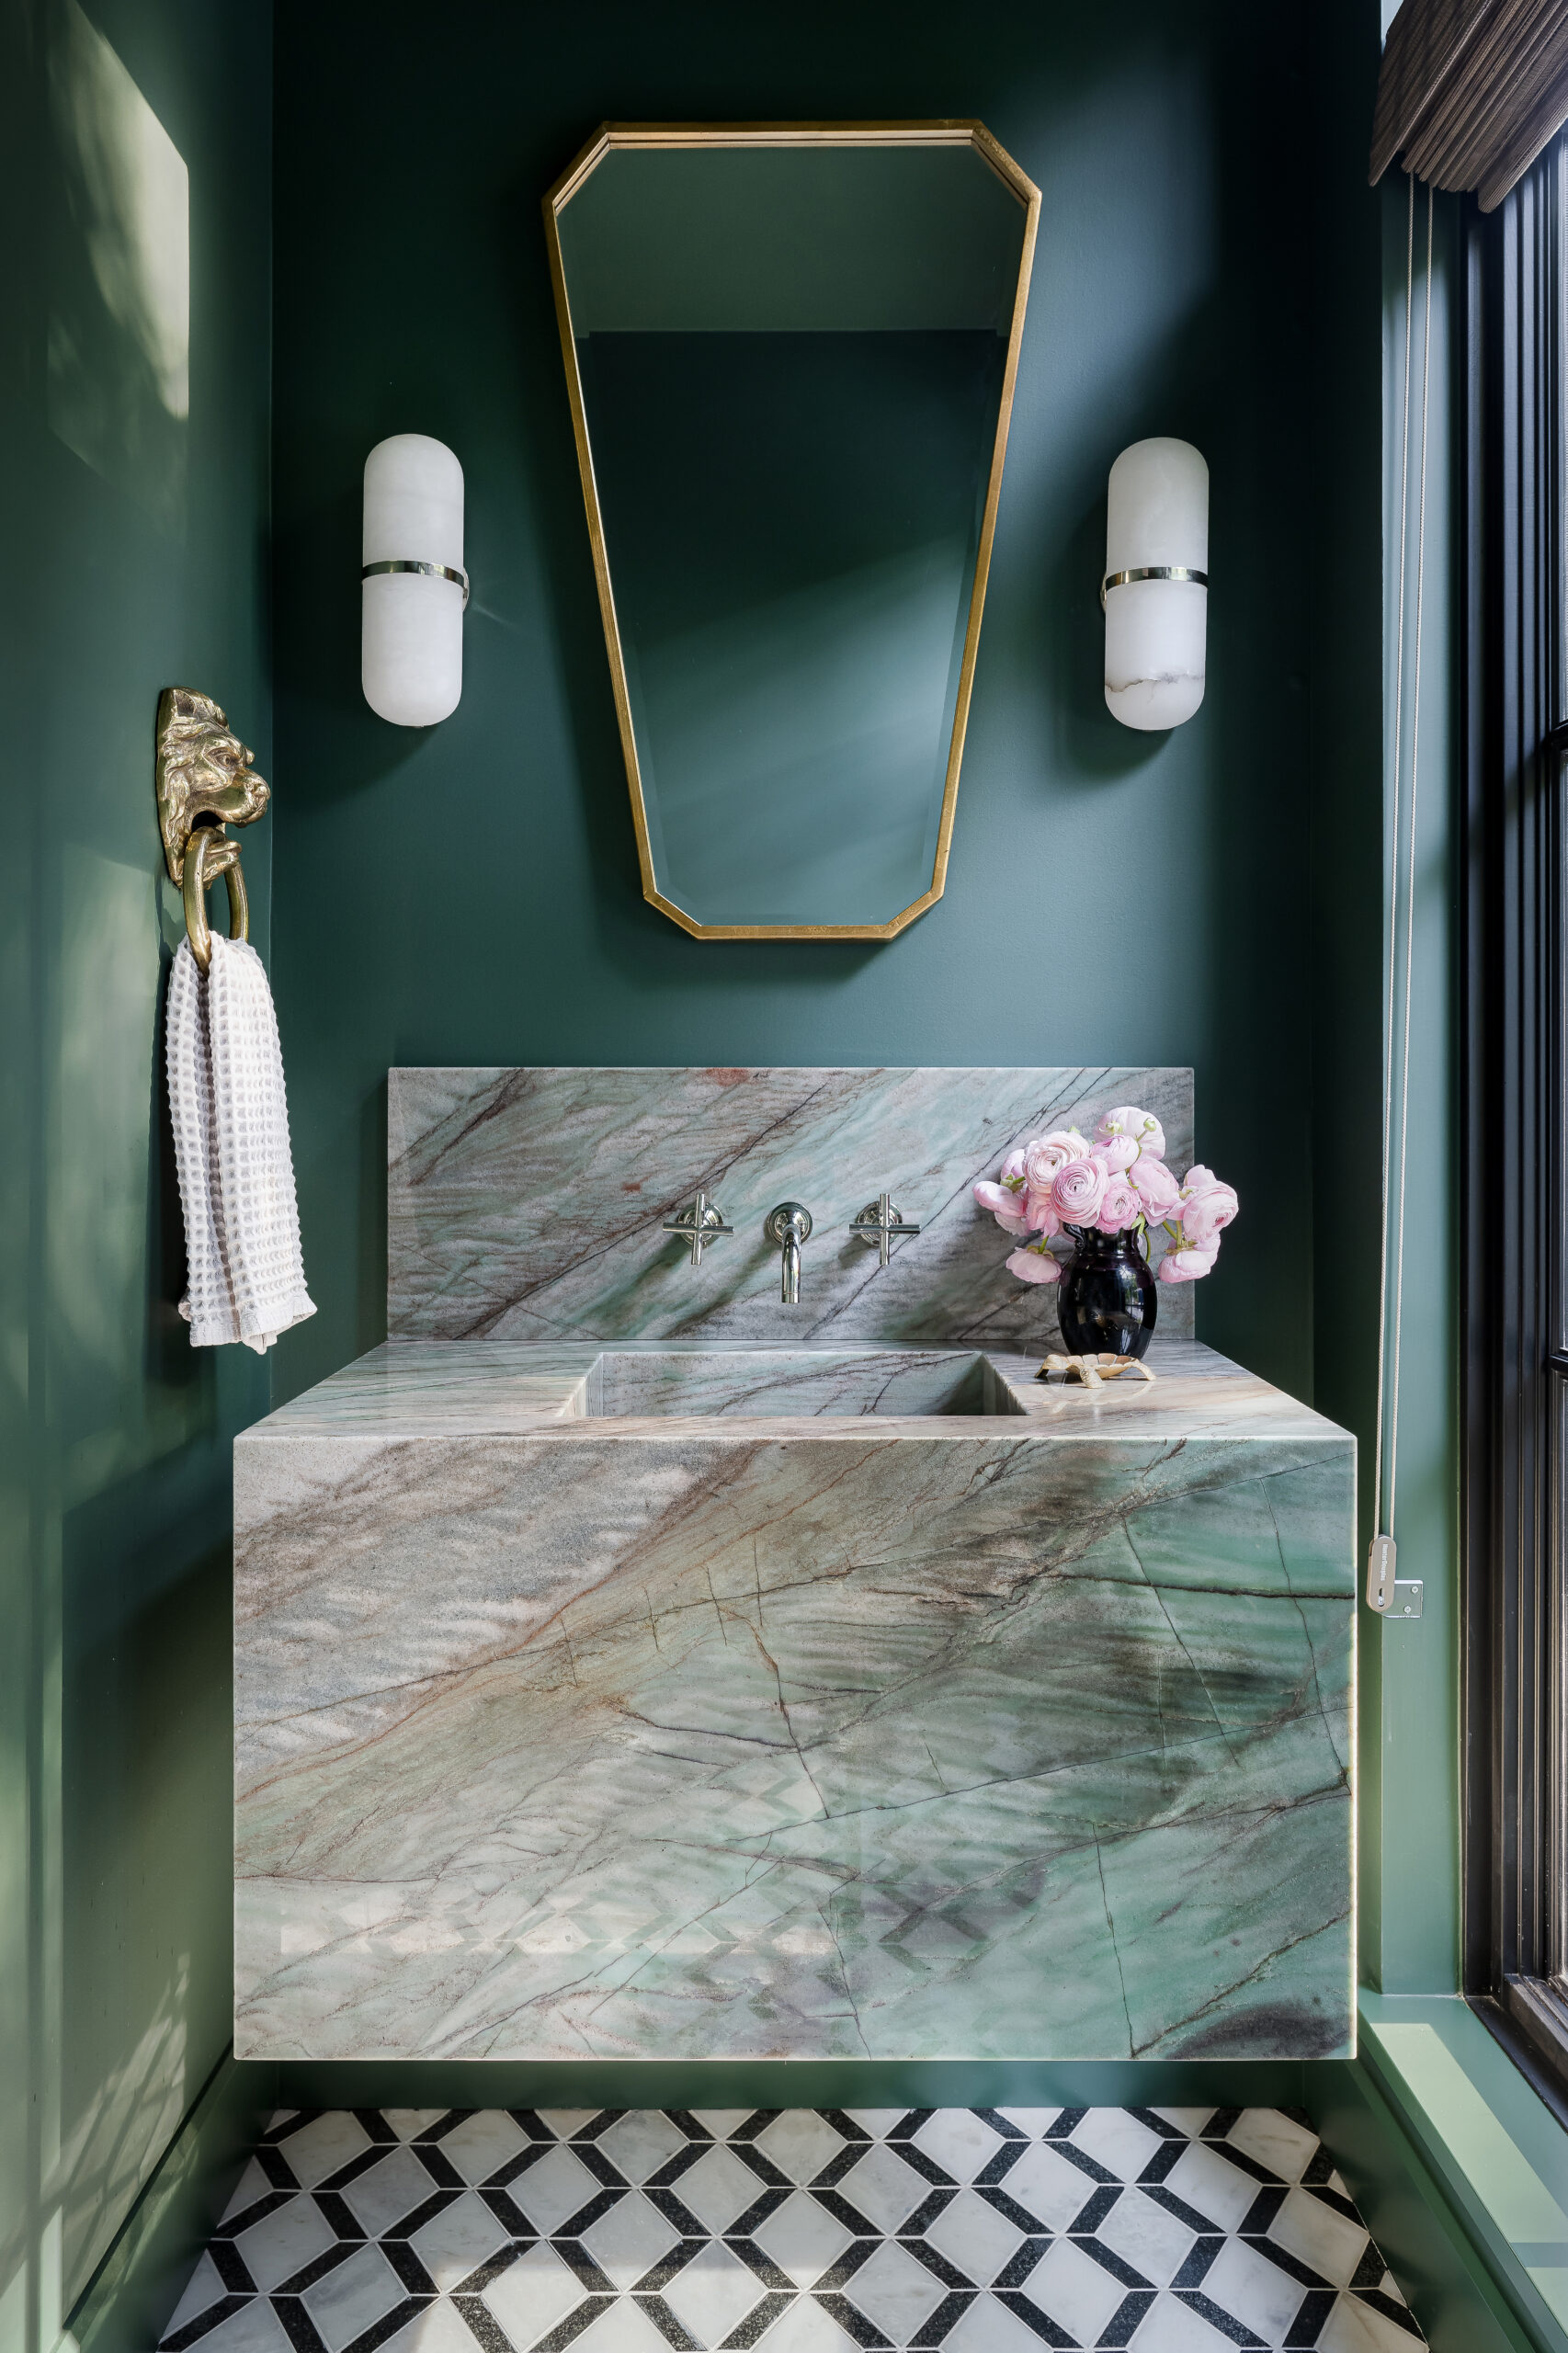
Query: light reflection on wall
{"type": "Point", "coordinates": [119, 281]}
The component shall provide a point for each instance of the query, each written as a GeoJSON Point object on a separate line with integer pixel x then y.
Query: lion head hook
{"type": "Point", "coordinates": [203, 772]}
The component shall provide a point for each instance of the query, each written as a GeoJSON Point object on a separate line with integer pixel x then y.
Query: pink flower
{"type": "Point", "coordinates": [1119, 1206]}
{"type": "Point", "coordinates": [1005, 1207]}
{"type": "Point", "coordinates": [1119, 1153]}
{"type": "Point", "coordinates": [1198, 1181]}
{"type": "Point", "coordinates": [1012, 1170]}
{"type": "Point", "coordinates": [1187, 1266]}
{"type": "Point", "coordinates": [1128, 1121]}
{"type": "Point", "coordinates": [1045, 1158]}
{"type": "Point", "coordinates": [1205, 1215]}
{"type": "Point", "coordinates": [1157, 1184]}
{"type": "Point", "coordinates": [1034, 1266]}
{"type": "Point", "coordinates": [1077, 1191]}
{"type": "Point", "coordinates": [1041, 1217]}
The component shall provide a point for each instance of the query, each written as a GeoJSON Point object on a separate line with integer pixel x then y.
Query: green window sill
{"type": "Point", "coordinates": [1493, 2145]}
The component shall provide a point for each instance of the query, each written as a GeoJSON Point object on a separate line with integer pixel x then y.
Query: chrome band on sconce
{"type": "Point", "coordinates": [430, 571]}
{"type": "Point", "coordinates": [1153, 571]}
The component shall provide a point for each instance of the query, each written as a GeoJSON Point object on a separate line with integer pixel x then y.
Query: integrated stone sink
{"type": "Point", "coordinates": [625, 1383]}
{"type": "Point", "coordinates": [648, 1700]}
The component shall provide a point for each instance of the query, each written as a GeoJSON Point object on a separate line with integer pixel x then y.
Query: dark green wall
{"type": "Point", "coordinates": [145, 565]}
{"type": "Point", "coordinates": [469, 893]}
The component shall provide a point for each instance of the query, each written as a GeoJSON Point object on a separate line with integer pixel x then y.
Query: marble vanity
{"type": "Point", "coordinates": [773, 1686]}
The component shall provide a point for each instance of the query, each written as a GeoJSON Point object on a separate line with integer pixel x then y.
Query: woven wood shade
{"type": "Point", "coordinates": [1470, 91]}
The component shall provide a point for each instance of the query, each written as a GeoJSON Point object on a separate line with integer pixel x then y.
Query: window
{"type": "Point", "coordinates": [1514, 757]}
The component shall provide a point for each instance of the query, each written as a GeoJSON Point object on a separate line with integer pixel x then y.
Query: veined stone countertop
{"type": "Point", "coordinates": [714, 1702]}
{"type": "Point", "coordinates": [492, 1388]}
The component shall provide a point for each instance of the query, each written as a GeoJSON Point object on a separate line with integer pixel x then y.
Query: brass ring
{"type": "Point", "coordinates": [194, 890]}
{"type": "Point", "coordinates": [431, 572]}
{"type": "Point", "coordinates": [1153, 571]}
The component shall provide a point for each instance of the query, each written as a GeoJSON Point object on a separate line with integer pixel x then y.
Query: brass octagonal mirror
{"type": "Point", "coordinates": [790, 352]}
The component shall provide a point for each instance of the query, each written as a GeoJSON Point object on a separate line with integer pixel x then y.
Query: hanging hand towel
{"type": "Point", "coordinates": [244, 1277]}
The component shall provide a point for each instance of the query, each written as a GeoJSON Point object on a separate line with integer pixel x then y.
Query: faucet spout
{"type": "Point", "coordinates": [789, 1225]}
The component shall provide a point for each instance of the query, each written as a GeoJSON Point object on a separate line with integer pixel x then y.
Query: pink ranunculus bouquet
{"type": "Point", "coordinates": [1064, 1184]}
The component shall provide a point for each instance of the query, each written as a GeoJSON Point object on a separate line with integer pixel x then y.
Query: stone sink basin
{"type": "Point", "coordinates": [879, 1702]}
{"type": "Point", "coordinates": [625, 1385]}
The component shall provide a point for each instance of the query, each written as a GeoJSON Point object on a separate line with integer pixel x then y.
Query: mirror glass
{"type": "Point", "coordinates": [791, 358]}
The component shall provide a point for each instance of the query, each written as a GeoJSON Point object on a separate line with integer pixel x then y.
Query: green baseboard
{"type": "Point", "coordinates": [790, 2083]}
{"type": "Point", "coordinates": [126, 2305]}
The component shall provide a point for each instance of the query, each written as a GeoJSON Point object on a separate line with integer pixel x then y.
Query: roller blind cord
{"type": "Point", "coordinates": [1380, 1564]}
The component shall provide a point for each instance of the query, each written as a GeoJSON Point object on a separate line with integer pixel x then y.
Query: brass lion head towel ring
{"type": "Point", "coordinates": [245, 1276]}
{"type": "Point", "coordinates": [206, 782]}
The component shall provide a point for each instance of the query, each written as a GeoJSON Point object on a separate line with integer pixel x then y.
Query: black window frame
{"type": "Point", "coordinates": [1512, 316]}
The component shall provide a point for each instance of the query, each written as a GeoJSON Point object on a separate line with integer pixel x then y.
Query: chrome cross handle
{"type": "Point", "coordinates": [877, 1224]}
{"type": "Point", "coordinates": [703, 1222]}
{"type": "Point", "coordinates": [790, 1225]}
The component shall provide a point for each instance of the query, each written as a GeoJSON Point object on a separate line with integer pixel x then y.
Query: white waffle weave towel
{"type": "Point", "coordinates": [245, 1276]}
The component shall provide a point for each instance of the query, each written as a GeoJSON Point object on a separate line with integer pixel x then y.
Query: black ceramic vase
{"type": "Point", "coordinates": [1108, 1298]}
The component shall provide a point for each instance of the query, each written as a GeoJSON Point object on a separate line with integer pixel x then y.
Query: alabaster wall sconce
{"type": "Point", "coordinates": [413, 587]}
{"type": "Point", "coordinates": [1155, 591]}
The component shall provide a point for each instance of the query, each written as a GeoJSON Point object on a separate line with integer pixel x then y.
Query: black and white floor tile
{"type": "Point", "coordinates": [792, 2230]}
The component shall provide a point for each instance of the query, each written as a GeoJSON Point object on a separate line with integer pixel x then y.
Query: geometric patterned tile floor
{"type": "Point", "coordinates": [793, 2231]}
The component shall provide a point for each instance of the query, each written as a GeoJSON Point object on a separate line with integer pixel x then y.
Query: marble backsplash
{"type": "Point", "coordinates": [528, 1204]}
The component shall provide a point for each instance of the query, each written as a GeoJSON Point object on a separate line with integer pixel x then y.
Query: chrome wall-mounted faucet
{"type": "Point", "coordinates": [877, 1224]}
{"type": "Point", "coordinates": [703, 1222]}
{"type": "Point", "coordinates": [790, 1225]}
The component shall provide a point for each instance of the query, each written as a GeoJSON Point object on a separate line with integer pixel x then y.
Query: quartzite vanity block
{"type": "Point", "coordinates": [588, 1703]}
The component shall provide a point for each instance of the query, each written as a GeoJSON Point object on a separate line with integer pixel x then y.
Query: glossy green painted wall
{"type": "Point", "coordinates": [142, 563]}
{"type": "Point", "coordinates": [469, 893]}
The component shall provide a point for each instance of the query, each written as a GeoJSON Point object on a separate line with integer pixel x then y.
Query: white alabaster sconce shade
{"type": "Point", "coordinates": [415, 586]}
{"type": "Point", "coordinates": [1156, 584]}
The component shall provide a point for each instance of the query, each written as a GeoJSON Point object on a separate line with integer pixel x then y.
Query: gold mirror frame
{"type": "Point", "coordinates": [607, 140]}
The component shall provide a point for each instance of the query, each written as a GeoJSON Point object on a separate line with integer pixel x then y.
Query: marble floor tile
{"type": "Point", "coordinates": [324, 2145]}
{"type": "Point", "coordinates": [958, 2141]}
{"type": "Point", "coordinates": [802, 2231]}
{"type": "Point", "coordinates": [896, 2291]}
{"type": "Point", "coordinates": [284, 2242]}
{"type": "Point", "coordinates": [717, 2188]}
{"type": "Point", "coordinates": [630, 2240]}
{"type": "Point", "coordinates": [204, 2289]}
{"type": "Point", "coordinates": [800, 2143]}
{"type": "Point", "coordinates": [882, 2187]}
{"type": "Point", "coordinates": [353, 2297]}
{"type": "Point", "coordinates": [1074, 2291]}
{"type": "Point", "coordinates": [436, 2327]}
{"type": "Point", "coordinates": [713, 2294]}
{"type": "Point", "coordinates": [803, 2239]}
{"type": "Point", "coordinates": [530, 2296]}
{"type": "Point", "coordinates": [380, 2196]}
{"type": "Point", "coordinates": [458, 2239]}
{"type": "Point", "coordinates": [976, 2238]}
{"type": "Point", "coordinates": [482, 2144]}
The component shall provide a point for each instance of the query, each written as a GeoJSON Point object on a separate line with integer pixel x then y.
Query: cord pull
{"type": "Point", "coordinates": [1381, 1558]}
